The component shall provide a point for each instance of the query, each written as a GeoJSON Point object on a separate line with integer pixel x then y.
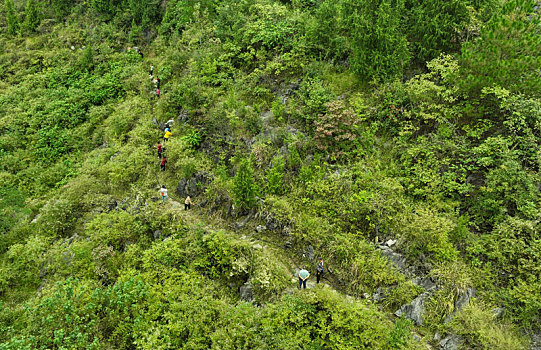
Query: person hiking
{"type": "Point", "coordinates": [303, 276]}
{"type": "Point", "coordinates": [319, 269]}
{"type": "Point", "coordinates": [162, 164]}
{"type": "Point", "coordinates": [166, 136]}
{"type": "Point", "coordinates": [188, 203]}
{"type": "Point", "coordinates": [157, 82]}
{"type": "Point", "coordinates": [158, 93]}
{"type": "Point", "coordinates": [160, 150]}
{"type": "Point", "coordinates": [163, 193]}
{"type": "Point", "coordinates": [151, 70]}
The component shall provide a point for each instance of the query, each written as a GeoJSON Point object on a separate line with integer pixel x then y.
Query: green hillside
{"type": "Point", "coordinates": [398, 140]}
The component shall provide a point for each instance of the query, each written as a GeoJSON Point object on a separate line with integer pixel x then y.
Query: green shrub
{"type": "Point", "coordinates": [244, 186]}
{"type": "Point", "coordinates": [117, 229]}
{"type": "Point", "coordinates": [428, 233]}
{"type": "Point", "coordinates": [275, 175]}
{"type": "Point", "coordinates": [11, 17]}
{"type": "Point", "coordinates": [192, 138]}
{"type": "Point", "coordinates": [31, 16]}
{"type": "Point", "coordinates": [477, 325]}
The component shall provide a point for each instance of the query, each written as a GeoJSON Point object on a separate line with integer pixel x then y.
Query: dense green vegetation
{"type": "Point", "coordinates": [336, 124]}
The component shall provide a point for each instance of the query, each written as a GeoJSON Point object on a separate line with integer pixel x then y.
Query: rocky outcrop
{"type": "Point", "coordinates": [272, 223]}
{"type": "Point", "coordinates": [158, 234]}
{"type": "Point", "coordinates": [193, 186]}
{"type": "Point", "coordinates": [462, 301]}
{"type": "Point", "coordinates": [246, 292]}
{"type": "Point", "coordinates": [414, 310]}
{"type": "Point", "coordinates": [452, 342]}
{"type": "Point", "coordinates": [398, 260]}
{"type": "Point", "coordinates": [427, 283]}
{"type": "Point", "coordinates": [309, 253]}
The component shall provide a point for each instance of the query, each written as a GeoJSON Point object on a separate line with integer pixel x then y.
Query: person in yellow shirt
{"type": "Point", "coordinates": [166, 136]}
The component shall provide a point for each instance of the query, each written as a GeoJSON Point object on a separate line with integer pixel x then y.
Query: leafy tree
{"type": "Point", "coordinates": [145, 12]}
{"type": "Point", "coordinates": [335, 131]}
{"type": "Point", "coordinates": [379, 48]}
{"type": "Point", "coordinates": [244, 187]}
{"type": "Point", "coordinates": [179, 13]}
{"type": "Point", "coordinates": [135, 33]}
{"type": "Point", "coordinates": [11, 17]}
{"type": "Point", "coordinates": [31, 16]}
{"type": "Point", "coordinates": [507, 52]}
{"type": "Point", "coordinates": [61, 8]}
{"type": "Point", "coordinates": [435, 26]}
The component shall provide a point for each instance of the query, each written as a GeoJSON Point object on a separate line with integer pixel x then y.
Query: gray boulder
{"type": "Point", "coordinates": [398, 260]}
{"type": "Point", "coordinates": [465, 298]}
{"type": "Point", "coordinates": [246, 292]}
{"type": "Point", "coordinates": [498, 312]}
{"type": "Point", "coordinates": [427, 283]}
{"type": "Point", "coordinates": [414, 310]}
{"type": "Point", "coordinates": [462, 301]}
{"type": "Point", "coordinates": [379, 295]}
{"type": "Point", "coordinates": [243, 222]}
{"type": "Point", "coordinates": [452, 342]}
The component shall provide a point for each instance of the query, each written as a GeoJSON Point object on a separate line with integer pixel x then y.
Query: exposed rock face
{"type": "Point", "coordinates": [183, 116]}
{"type": "Point", "coordinates": [157, 234]}
{"type": "Point", "coordinates": [246, 292]}
{"type": "Point", "coordinates": [427, 283]}
{"type": "Point", "coordinates": [398, 260]}
{"type": "Point", "coordinates": [379, 295]}
{"type": "Point", "coordinates": [193, 186]}
{"type": "Point", "coordinates": [464, 298]}
{"type": "Point", "coordinates": [462, 301]}
{"type": "Point", "coordinates": [243, 222]}
{"type": "Point", "coordinates": [272, 223]}
{"type": "Point", "coordinates": [536, 341]}
{"type": "Point", "coordinates": [414, 310]}
{"type": "Point", "coordinates": [452, 342]}
{"type": "Point", "coordinates": [309, 252]}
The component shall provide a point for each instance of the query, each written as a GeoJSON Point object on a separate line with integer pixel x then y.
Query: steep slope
{"type": "Point", "coordinates": [295, 139]}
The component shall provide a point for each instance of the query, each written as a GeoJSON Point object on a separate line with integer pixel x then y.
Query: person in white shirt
{"type": "Point", "coordinates": [163, 193]}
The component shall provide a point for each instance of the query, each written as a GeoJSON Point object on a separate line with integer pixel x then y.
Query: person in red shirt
{"type": "Point", "coordinates": [162, 164]}
{"type": "Point", "coordinates": [158, 93]}
{"type": "Point", "coordinates": [159, 150]}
